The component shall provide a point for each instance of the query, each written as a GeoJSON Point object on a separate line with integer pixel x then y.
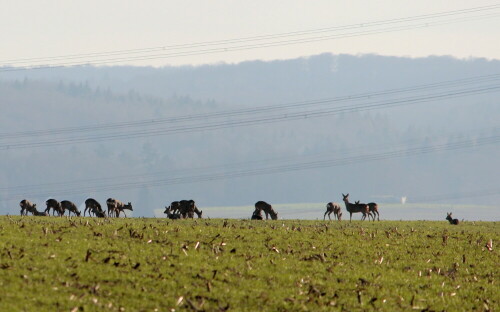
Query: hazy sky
{"type": "Point", "coordinates": [35, 29]}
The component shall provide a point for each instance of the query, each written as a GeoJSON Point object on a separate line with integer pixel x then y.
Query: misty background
{"type": "Point", "coordinates": [293, 131]}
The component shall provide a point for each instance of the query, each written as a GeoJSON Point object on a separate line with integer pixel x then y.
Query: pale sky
{"type": "Point", "coordinates": [41, 29]}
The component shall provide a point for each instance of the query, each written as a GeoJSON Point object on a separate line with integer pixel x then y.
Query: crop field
{"type": "Point", "coordinates": [138, 264]}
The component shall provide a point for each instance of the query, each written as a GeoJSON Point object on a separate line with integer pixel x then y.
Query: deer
{"type": "Point", "coordinates": [451, 220]}
{"type": "Point", "coordinates": [374, 210]}
{"type": "Point", "coordinates": [93, 206]}
{"type": "Point", "coordinates": [257, 215]}
{"type": "Point", "coordinates": [335, 209]}
{"type": "Point", "coordinates": [171, 213]}
{"type": "Point", "coordinates": [115, 206]}
{"type": "Point", "coordinates": [355, 208]}
{"type": "Point", "coordinates": [71, 207]}
{"type": "Point", "coordinates": [369, 213]}
{"type": "Point", "coordinates": [175, 207]}
{"type": "Point", "coordinates": [37, 213]}
{"type": "Point", "coordinates": [26, 206]}
{"type": "Point", "coordinates": [267, 208]}
{"type": "Point", "coordinates": [187, 209]}
{"type": "Point", "coordinates": [55, 206]}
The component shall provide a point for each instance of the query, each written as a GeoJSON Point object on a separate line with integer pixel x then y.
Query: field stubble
{"type": "Point", "coordinates": [84, 264]}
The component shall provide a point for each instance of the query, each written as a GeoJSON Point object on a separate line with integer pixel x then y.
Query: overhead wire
{"type": "Point", "coordinates": [261, 37]}
{"type": "Point", "coordinates": [249, 110]}
{"type": "Point", "coordinates": [277, 169]}
{"type": "Point", "coordinates": [226, 166]}
{"type": "Point", "coordinates": [232, 44]}
{"type": "Point", "coordinates": [216, 125]}
{"type": "Point", "coordinates": [266, 161]}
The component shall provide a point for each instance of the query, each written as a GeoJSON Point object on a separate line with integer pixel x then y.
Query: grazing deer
{"type": "Point", "coordinates": [374, 210]}
{"type": "Point", "coordinates": [115, 206]}
{"type": "Point", "coordinates": [93, 206]}
{"type": "Point", "coordinates": [71, 207]}
{"type": "Point", "coordinates": [171, 214]}
{"type": "Point", "coordinates": [55, 206]}
{"type": "Point", "coordinates": [451, 220]}
{"type": "Point", "coordinates": [257, 215]}
{"type": "Point", "coordinates": [26, 206]}
{"type": "Point", "coordinates": [267, 208]}
{"type": "Point", "coordinates": [187, 209]}
{"type": "Point", "coordinates": [355, 208]}
{"type": "Point", "coordinates": [335, 209]}
{"type": "Point", "coordinates": [175, 207]}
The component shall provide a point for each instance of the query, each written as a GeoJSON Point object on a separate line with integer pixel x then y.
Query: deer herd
{"type": "Point", "coordinates": [92, 206]}
{"type": "Point", "coordinates": [187, 209]}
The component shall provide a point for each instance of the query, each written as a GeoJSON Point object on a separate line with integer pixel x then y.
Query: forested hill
{"type": "Point", "coordinates": [302, 130]}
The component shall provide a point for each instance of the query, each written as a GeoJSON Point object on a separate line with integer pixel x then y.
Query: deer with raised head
{"type": "Point", "coordinates": [267, 208]}
{"type": "Point", "coordinates": [355, 208]}
{"type": "Point", "coordinates": [335, 209]}
{"type": "Point", "coordinates": [451, 220]}
{"type": "Point", "coordinates": [26, 206]}
{"type": "Point", "coordinates": [55, 206]}
{"type": "Point", "coordinates": [71, 207]}
{"type": "Point", "coordinates": [93, 207]}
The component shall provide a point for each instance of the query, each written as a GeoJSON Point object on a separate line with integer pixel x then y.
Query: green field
{"type": "Point", "coordinates": [135, 264]}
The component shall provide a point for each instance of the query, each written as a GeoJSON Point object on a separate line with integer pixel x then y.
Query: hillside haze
{"type": "Point", "coordinates": [290, 131]}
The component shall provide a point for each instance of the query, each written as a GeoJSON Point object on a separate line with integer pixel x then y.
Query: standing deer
{"type": "Point", "coordinates": [369, 212]}
{"type": "Point", "coordinates": [26, 206]}
{"type": "Point", "coordinates": [355, 208]}
{"type": "Point", "coordinates": [71, 207]}
{"type": "Point", "coordinates": [94, 207]}
{"type": "Point", "coordinates": [451, 220]}
{"type": "Point", "coordinates": [335, 209]}
{"type": "Point", "coordinates": [55, 206]}
{"type": "Point", "coordinates": [115, 206]}
{"type": "Point", "coordinates": [171, 214]}
{"type": "Point", "coordinates": [175, 207]}
{"type": "Point", "coordinates": [187, 209]}
{"type": "Point", "coordinates": [374, 210]}
{"type": "Point", "coordinates": [267, 208]}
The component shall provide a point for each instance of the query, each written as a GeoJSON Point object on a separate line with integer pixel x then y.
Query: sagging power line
{"type": "Point", "coordinates": [460, 83]}
{"type": "Point", "coordinates": [247, 117]}
{"type": "Point", "coordinates": [264, 170]}
{"type": "Point", "coordinates": [255, 42]}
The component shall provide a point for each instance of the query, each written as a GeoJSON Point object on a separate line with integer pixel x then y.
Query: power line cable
{"type": "Point", "coordinates": [454, 146]}
{"type": "Point", "coordinates": [208, 169]}
{"type": "Point", "coordinates": [262, 37]}
{"type": "Point", "coordinates": [216, 125]}
{"type": "Point", "coordinates": [234, 47]}
{"type": "Point", "coordinates": [251, 110]}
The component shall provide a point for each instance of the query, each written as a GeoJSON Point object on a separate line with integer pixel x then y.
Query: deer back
{"type": "Point", "coordinates": [52, 203]}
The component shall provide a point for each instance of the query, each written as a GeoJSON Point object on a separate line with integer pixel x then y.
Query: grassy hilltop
{"type": "Point", "coordinates": [84, 264]}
